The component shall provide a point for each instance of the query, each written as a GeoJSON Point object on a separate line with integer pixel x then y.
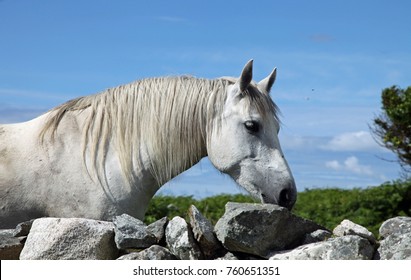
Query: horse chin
{"type": "Point", "coordinates": [267, 200]}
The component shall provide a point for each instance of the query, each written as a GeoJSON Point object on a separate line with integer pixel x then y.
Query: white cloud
{"type": "Point", "coordinates": [298, 142]}
{"type": "Point", "coordinates": [352, 141]}
{"type": "Point", "coordinates": [334, 164]}
{"type": "Point", "coordinates": [350, 164]}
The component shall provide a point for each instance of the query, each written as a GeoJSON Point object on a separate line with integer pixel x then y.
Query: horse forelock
{"type": "Point", "coordinates": [166, 118]}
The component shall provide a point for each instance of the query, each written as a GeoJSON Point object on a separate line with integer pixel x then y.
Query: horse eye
{"type": "Point", "coordinates": [252, 126]}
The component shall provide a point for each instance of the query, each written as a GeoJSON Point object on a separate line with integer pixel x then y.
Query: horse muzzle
{"type": "Point", "coordinates": [286, 197]}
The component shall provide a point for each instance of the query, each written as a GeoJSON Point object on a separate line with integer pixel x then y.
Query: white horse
{"type": "Point", "coordinates": [103, 155]}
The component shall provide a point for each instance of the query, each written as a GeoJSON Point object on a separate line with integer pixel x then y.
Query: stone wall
{"type": "Point", "coordinates": [245, 231]}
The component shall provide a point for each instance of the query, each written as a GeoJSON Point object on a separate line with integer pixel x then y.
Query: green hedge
{"type": "Point", "coordinates": [211, 207]}
{"type": "Point", "coordinates": [368, 207]}
{"type": "Point", "coordinates": [327, 206]}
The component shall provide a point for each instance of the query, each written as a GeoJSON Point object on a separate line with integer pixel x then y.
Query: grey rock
{"type": "Point", "coordinates": [248, 231]}
{"type": "Point", "coordinates": [261, 228]}
{"type": "Point", "coordinates": [397, 225]}
{"type": "Point", "coordinates": [395, 247]}
{"type": "Point", "coordinates": [158, 229]}
{"type": "Point", "coordinates": [10, 246]}
{"type": "Point", "coordinates": [23, 229]}
{"type": "Point", "coordinates": [155, 252]}
{"type": "Point", "coordinates": [350, 247]}
{"type": "Point", "coordinates": [180, 240]}
{"type": "Point", "coordinates": [132, 233]}
{"type": "Point", "coordinates": [203, 232]}
{"type": "Point", "coordinates": [228, 256]}
{"type": "Point", "coordinates": [346, 227]}
{"type": "Point", "coordinates": [68, 239]}
{"type": "Point", "coordinates": [396, 243]}
{"type": "Point", "coordinates": [317, 236]}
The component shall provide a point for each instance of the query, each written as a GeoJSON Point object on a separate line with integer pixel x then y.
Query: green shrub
{"type": "Point", "coordinates": [368, 207]}
{"type": "Point", "coordinates": [211, 207]}
{"type": "Point", "coordinates": [168, 206]}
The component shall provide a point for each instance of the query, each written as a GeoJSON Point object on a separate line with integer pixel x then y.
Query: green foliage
{"type": "Point", "coordinates": [168, 206]}
{"type": "Point", "coordinates": [393, 126]}
{"type": "Point", "coordinates": [211, 207]}
{"type": "Point", "coordinates": [368, 207]}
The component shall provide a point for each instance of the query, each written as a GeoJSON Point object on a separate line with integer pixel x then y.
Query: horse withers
{"type": "Point", "coordinates": [103, 155]}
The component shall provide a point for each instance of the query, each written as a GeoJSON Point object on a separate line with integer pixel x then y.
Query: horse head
{"type": "Point", "coordinates": [244, 141]}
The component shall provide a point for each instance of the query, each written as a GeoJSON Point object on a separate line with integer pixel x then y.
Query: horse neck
{"type": "Point", "coordinates": [183, 127]}
{"type": "Point", "coordinates": [177, 152]}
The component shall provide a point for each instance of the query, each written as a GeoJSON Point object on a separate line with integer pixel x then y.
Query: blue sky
{"type": "Point", "coordinates": [333, 60]}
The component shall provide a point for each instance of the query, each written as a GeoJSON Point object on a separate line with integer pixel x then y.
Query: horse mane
{"type": "Point", "coordinates": [169, 116]}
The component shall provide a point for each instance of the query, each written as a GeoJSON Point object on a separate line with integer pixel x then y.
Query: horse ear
{"type": "Point", "coordinates": [268, 82]}
{"type": "Point", "coordinates": [246, 76]}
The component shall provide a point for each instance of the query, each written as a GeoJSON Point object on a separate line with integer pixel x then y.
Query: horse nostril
{"type": "Point", "coordinates": [285, 199]}
{"type": "Point", "coordinates": [264, 198]}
